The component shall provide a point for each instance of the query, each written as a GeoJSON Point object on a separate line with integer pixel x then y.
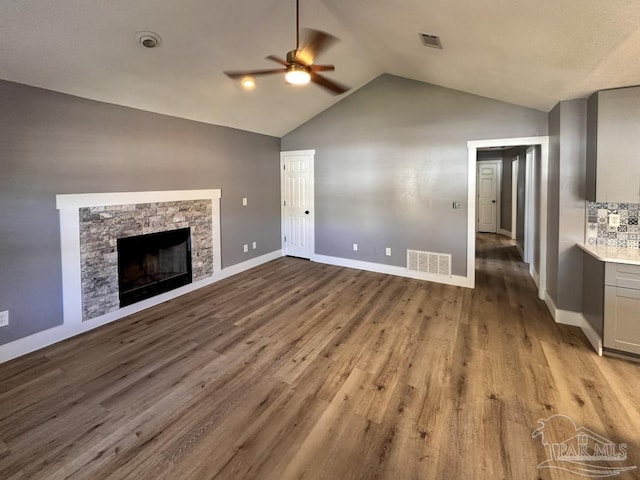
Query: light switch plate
{"type": "Point", "coordinates": [244, 201]}
{"type": "Point", "coordinates": [4, 318]}
{"type": "Point", "coordinates": [387, 251]}
{"type": "Point", "coordinates": [355, 247]}
{"type": "Point", "coordinates": [246, 248]}
{"type": "Point", "coordinates": [254, 245]}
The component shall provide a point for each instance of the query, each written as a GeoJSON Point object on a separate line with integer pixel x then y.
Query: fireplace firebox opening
{"type": "Point", "coordinates": [152, 264]}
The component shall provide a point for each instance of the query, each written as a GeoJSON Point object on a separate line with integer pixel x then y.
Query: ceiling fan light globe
{"type": "Point", "coordinates": [248, 82]}
{"type": "Point", "coordinates": [297, 76]}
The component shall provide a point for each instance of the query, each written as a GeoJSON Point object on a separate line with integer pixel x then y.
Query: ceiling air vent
{"type": "Point", "coordinates": [429, 262]}
{"type": "Point", "coordinates": [432, 41]}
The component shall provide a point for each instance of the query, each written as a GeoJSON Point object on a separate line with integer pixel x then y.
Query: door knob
{"type": "Point", "coordinates": [306, 212]}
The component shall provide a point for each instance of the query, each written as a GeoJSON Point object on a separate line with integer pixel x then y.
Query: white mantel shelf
{"type": "Point", "coordinates": [85, 200]}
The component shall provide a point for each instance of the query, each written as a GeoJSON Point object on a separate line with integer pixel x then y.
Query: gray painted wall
{"type": "Point", "coordinates": [567, 170]}
{"type": "Point", "coordinates": [553, 203]}
{"type": "Point", "coordinates": [54, 143]}
{"type": "Point", "coordinates": [573, 144]}
{"type": "Point", "coordinates": [390, 160]}
{"type": "Point", "coordinates": [489, 155]}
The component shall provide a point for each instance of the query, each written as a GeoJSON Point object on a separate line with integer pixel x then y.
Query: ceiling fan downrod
{"type": "Point", "coordinates": [297, 24]}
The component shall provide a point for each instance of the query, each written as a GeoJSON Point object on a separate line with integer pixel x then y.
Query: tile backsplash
{"type": "Point", "coordinates": [600, 233]}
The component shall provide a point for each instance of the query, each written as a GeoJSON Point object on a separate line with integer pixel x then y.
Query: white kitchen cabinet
{"type": "Point", "coordinates": [613, 146]}
{"type": "Point", "coordinates": [622, 307]}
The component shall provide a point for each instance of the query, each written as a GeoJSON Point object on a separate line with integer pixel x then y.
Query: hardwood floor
{"type": "Point", "coordinates": [301, 370]}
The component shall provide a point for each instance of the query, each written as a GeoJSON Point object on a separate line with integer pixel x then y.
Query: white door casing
{"type": "Point", "coordinates": [487, 197]}
{"type": "Point", "coordinates": [515, 165]}
{"type": "Point", "coordinates": [297, 196]}
{"type": "Point", "coordinates": [530, 207]}
{"type": "Point", "coordinates": [473, 146]}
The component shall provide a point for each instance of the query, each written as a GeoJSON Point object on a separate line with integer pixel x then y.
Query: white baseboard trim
{"type": "Point", "coordinates": [57, 334]}
{"type": "Point", "coordinates": [575, 319]}
{"type": "Point", "coordinates": [534, 275]}
{"type": "Point", "coordinates": [247, 265]}
{"type": "Point", "coordinates": [550, 304]}
{"type": "Point", "coordinates": [592, 336]}
{"type": "Point", "coordinates": [564, 317]}
{"type": "Point", "coordinates": [506, 233]}
{"type": "Point", "coordinates": [455, 280]}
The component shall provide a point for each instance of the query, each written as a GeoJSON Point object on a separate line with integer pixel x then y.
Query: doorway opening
{"type": "Point", "coordinates": [516, 206]}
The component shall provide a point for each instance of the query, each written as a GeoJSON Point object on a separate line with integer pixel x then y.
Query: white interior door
{"type": "Point", "coordinates": [297, 203]}
{"type": "Point", "coordinates": [487, 197]}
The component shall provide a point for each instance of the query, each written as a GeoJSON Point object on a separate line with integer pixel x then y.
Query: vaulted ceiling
{"type": "Point", "coordinates": [528, 52]}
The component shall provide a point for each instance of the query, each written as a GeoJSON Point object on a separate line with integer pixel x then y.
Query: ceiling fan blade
{"type": "Point", "coordinates": [277, 60]}
{"type": "Point", "coordinates": [315, 43]}
{"type": "Point", "coordinates": [323, 68]}
{"type": "Point", "coordinates": [330, 85]}
{"type": "Point", "coordinates": [253, 73]}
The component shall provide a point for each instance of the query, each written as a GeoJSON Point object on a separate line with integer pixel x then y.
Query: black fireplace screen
{"type": "Point", "coordinates": [152, 264]}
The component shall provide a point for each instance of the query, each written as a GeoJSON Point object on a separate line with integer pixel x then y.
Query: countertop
{"type": "Point", "coordinates": [630, 256]}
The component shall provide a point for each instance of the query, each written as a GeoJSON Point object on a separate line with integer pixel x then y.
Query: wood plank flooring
{"type": "Point", "coordinates": [301, 370]}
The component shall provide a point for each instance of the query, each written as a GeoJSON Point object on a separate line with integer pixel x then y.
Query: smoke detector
{"type": "Point", "coordinates": [429, 40]}
{"type": "Point", "coordinates": [148, 39]}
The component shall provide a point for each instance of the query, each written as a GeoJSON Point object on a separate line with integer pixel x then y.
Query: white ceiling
{"type": "Point", "coordinates": [528, 52]}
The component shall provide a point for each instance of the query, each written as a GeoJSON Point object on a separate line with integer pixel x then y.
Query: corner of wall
{"type": "Point", "coordinates": [574, 319]}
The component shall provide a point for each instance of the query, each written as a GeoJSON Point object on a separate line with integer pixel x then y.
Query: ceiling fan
{"type": "Point", "coordinates": [298, 66]}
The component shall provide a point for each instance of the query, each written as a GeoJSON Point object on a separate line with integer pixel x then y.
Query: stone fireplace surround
{"type": "Point", "coordinates": [90, 225]}
{"type": "Point", "coordinates": [101, 227]}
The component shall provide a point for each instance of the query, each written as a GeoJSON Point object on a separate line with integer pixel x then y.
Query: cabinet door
{"type": "Point", "coordinates": [618, 146]}
{"type": "Point", "coordinates": [622, 319]}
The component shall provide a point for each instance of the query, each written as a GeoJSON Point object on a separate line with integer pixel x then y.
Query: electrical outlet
{"type": "Point", "coordinates": [254, 245]}
{"type": "Point", "coordinates": [244, 201]}
{"type": "Point", "coordinates": [4, 318]}
{"type": "Point", "coordinates": [387, 251]}
{"type": "Point", "coordinates": [355, 247]}
{"type": "Point", "coordinates": [614, 220]}
{"type": "Point", "coordinates": [246, 248]}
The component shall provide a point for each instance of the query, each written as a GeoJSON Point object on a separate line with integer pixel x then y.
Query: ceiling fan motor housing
{"type": "Point", "coordinates": [291, 56]}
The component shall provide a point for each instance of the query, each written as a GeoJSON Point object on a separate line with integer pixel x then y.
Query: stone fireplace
{"type": "Point", "coordinates": [91, 226]}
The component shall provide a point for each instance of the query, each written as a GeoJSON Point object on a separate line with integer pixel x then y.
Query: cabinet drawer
{"type": "Point", "coordinates": [622, 275]}
{"type": "Point", "coordinates": [622, 319]}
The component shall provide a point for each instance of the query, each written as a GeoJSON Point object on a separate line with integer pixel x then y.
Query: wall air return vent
{"type": "Point", "coordinates": [429, 262]}
{"type": "Point", "coordinates": [432, 41]}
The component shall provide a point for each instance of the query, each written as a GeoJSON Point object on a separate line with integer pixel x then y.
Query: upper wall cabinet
{"type": "Point", "coordinates": [613, 146]}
